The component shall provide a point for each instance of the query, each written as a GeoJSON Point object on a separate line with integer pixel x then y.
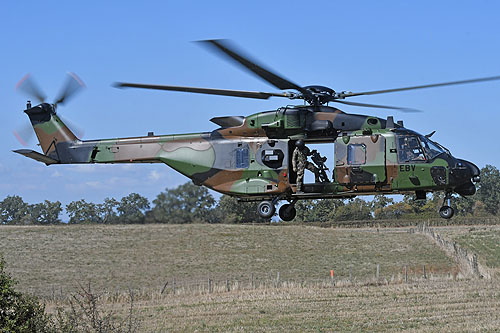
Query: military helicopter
{"type": "Point", "coordinates": [251, 157]}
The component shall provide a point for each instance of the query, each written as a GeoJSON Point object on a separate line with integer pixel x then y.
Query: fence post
{"type": "Point", "coordinates": [252, 283]}
{"type": "Point", "coordinates": [173, 286]}
{"type": "Point", "coordinates": [425, 273]}
{"type": "Point", "coordinates": [227, 286]}
{"type": "Point", "coordinates": [278, 279]}
{"type": "Point", "coordinates": [164, 287]}
{"type": "Point", "coordinates": [209, 285]}
{"type": "Point", "coordinates": [378, 271]}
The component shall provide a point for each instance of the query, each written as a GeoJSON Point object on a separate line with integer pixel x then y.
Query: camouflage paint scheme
{"type": "Point", "coordinates": [250, 157]}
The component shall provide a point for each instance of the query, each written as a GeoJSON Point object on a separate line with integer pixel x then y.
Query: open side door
{"type": "Point", "coordinates": [360, 160]}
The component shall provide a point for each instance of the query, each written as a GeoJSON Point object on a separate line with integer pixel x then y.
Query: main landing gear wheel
{"type": "Point", "coordinates": [266, 209]}
{"type": "Point", "coordinates": [446, 212]}
{"type": "Point", "coordinates": [287, 212]}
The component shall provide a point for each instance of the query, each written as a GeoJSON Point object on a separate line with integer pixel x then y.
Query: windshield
{"type": "Point", "coordinates": [431, 149]}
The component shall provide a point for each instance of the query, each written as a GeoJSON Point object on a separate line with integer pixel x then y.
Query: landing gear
{"type": "Point", "coordinates": [266, 209]}
{"type": "Point", "coordinates": [446, 212]}
{"type": "Point", "coordinates": [287, 212]}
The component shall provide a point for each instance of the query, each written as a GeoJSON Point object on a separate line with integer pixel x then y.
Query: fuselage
{"type": "Point", "coordinates": [250, 157]}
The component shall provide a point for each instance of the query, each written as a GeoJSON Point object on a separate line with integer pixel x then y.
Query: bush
{"type": "Point", "coordinates": [19, 313]}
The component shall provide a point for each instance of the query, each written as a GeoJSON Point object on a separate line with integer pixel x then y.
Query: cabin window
{"type": "Point", "coordinates": [356, 154]}
{"type": "Point", "coordinates": [409, 149]}
{"type": "Point", "coordinates": [242, 158]}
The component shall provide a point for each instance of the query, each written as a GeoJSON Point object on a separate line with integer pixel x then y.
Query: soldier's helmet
{"type": "Point", "coordinates": [299, 144]}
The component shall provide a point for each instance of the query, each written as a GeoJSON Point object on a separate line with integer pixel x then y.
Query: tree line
{"type": "Point", "coordinates": [189, 203]}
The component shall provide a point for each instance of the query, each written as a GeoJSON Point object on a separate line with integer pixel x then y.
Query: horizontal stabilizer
{"type": "Point", "coordinates": [36, 156]}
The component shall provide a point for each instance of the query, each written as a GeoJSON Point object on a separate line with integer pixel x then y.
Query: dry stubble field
{"type": "Point", "coordinates": [48, 260]}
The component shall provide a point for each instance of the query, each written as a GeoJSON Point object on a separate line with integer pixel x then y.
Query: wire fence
{"type": "Point", "coordinates": [203, 286]}
{"type": "Point", "coordinates": [375, 223]}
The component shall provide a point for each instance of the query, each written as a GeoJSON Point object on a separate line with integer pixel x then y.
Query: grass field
{"type": "Point", "coordinates": [54, 260]}
{"type": "Point", "coordinates": [443, 306]}
{"type": "Point", "coordinates": [147, 256]}
{"type": "Point", "coordinates": [482, 240]}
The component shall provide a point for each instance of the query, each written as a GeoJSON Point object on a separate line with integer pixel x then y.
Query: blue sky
{"type": "Point", "coordinates": [354, 46]}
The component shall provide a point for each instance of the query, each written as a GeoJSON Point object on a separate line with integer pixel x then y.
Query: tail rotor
{"type": "Point", "coordinates": [28, 86]}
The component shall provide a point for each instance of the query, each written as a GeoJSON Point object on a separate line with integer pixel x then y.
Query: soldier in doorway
{"type": "Point", "coordinates": [300, 163]}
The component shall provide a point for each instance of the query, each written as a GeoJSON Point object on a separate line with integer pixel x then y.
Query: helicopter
{"type": "Point", "coordinates": [250, 157]}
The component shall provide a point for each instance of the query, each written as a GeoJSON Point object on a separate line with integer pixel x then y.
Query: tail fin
{"type": "Point", "coordinates": [49, 128]}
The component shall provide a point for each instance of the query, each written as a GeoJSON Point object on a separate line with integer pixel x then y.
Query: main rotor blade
{"type": "Point", "coordinates": [483, 79]}
{"type": "Point", "coordinates": [28, 86]}
{"type": "Point", "coordinates": [73, 85]}
{"type": "Point", "coordinates": [209, 91]}
{"type": "Point", "coordinates": [403, 109]}
{"type": "Point", "coordinates": [225, 48]}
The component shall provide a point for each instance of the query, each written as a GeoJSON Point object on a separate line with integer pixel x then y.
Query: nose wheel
{"type": "Point", "coordinates": [446, 212]}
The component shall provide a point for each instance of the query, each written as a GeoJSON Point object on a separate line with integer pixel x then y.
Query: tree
{"type": "Point", "coordinates": [417, 205]}
{"type": "Point", "coordinates": [355, 209]}
{"type": "Point", "coordinates": [464, 206]}
{"type": "Point", "coordinates": [394, 211]}
{"type": "Point", "coordinates": [321, 210]}
{"type": "Point", "coordinates": [489, 189]}
{"type": "Point", "coordinates": [380, 201]}
{"type": "Point", "coordinates": [186, 203]}
{"type": "Point", "coordinates": [12, 210]}
{"type": "Point", "coordinates": [46, 212]}
{"type": "Point", "coordinates": [305, 210]}
{"type": "Point", "coordinates": [327, 210]}
{"type": "Point", "coordinates": [230, 210]}
{"type": "Point", "coordinates": [83, 212]}
{"type": "Point", "coordinates": [107, 210]}
{"type": "Point", "coordinates": [132, 208]}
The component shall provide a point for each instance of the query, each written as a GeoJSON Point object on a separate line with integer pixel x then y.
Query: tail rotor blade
{"type": "Point", "coordinates": [24, 134]}
{"type": "Point", "coordinates": [77, 131]}
{"type": "Point", "coordinates": [72, 86]}
{"type": "Point", "coordinates": [29, 87]}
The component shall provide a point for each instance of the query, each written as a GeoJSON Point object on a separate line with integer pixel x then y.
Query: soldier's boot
{"type": "Point", "coordinates": [317, 178]}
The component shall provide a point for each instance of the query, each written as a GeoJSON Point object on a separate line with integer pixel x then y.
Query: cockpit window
{"type": "Point", "coordinates": [431, 149]}
{"type": "Point", "coordinates": [409, 149]}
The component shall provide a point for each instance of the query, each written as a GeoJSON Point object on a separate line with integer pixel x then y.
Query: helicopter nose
{"type": "Point", "coordinates": [463, 175]}
{"type": "Point", "coordinates": [475, 173]}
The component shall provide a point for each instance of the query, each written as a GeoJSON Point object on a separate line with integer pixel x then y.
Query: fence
{"type": "Point", "coordinates": [177, 287]}
{"type": "Point", "coordinates": [467, 260]}
{"type": "Point", "coordinates": [458, 220]}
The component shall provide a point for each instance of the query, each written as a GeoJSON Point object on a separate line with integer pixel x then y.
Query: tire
{"type": "Point", "coordinates": [446, 212]}
{"type": "Point", "coordinates": [287, 212]}
{"type": "Point", "coordinates": [266, 209]}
